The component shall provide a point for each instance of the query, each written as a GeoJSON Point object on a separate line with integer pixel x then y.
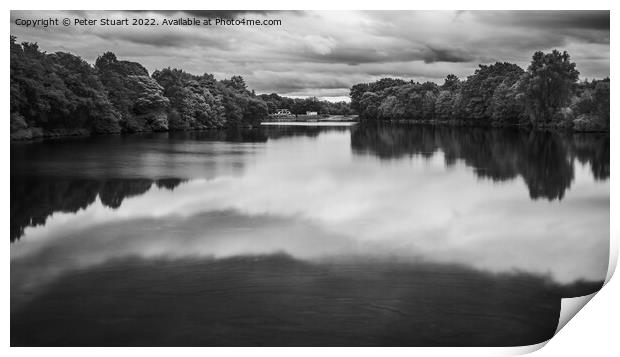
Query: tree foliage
{"type": "Point", "coordinates": [498, 94]}
{"type": "Point", "coordinates": [548, 84]}
{"type": "Point", "coordinates": [60, 93]}
{"type": "Point", "coordinates": [137, 97]}
{"type": "Point", "coordinates": [194, 102]}
{"type": "Point", "coordinates": [591, 108]}
{"type": "Point", "coordinates": [57, 91]}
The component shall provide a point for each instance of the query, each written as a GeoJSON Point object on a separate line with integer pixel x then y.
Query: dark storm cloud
{"type": "Point", "coordinates": [357, 56]}
{"type": "Point", "coordinates": [289, 84]}
{"type": "Point", "coordinates": [592, 26]}
{"type": "Point", "coordinates": [225, 14]}
{"type": "Point", "coordinates": [167, 39]}
{"type": "Point", "coordinates": [212, 14]}
{"type": "Point", "coordinates": [570, 19]}
{"type": "Point", "coordinates": [446, 55]}
{"type": "Point", "coordinates": [323, 53]}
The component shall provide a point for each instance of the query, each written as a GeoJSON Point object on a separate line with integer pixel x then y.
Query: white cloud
{"type": "Point", "coordinates": [319, 44]}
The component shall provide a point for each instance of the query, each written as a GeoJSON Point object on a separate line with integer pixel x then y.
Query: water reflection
{"type": "Point", "coordinates": [593, 150]}
{"type": "Point", "coordinates": [543, 159]}
{"type": "Point", "coordinates": [249, 238]}
{"type": "Point", "coordinates": [235, 135]}
{"type": "Point", "coordinates": [199, 154]}
{"type": "Point", "coordinates": [35, 199]}
{"type": "Point", "coordinates": [309, 131]}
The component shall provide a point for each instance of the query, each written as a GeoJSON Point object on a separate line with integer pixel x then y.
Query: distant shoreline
{"type": "Point", "coordinates": [38, 134]}
{"type": "Point", "coordinates": [308, 118]}
{"type": "Point", "coordinates": [309, 123]}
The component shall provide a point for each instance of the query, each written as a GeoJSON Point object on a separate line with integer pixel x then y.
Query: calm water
{"type": "Point", "coordinates": [361, 235]}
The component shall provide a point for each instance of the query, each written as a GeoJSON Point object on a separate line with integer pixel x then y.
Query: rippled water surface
{"type": "Point", "coordinates": [304, 235]}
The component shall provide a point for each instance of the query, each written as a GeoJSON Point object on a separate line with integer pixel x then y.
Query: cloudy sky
{"type": "Point", "coordinates": [315, 53]}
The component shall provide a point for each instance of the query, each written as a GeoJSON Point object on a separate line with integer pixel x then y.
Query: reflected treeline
{"type": "Point", "coordinates": [592, 149]}
{"type": "Point", "coordinates": [34, 200]}
{"type": "Point", "coordinates": [544, 159]}
{"type": "Point", "coordinates": [34, 197]}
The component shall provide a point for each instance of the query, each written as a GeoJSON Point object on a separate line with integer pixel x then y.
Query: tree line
{"type": "Point", "coordinates": [60, 94]}
{"type": "Point", "coordinates": [546, 94]}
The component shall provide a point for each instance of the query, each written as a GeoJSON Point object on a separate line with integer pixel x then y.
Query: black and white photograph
{"type": "Point", "coordinates": [306, 178]}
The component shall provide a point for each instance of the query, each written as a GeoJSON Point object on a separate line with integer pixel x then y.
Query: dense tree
{"type": "Point", "coordinates": [241, 106]}
{"type": "Point", "coordinates": [137, 97]}
{"type": "Point", "coordinates": [444, 105]}
{"type": "Point", "coordinates": [508, 105]}
{"type": "Point", "coordinates": [236, 83]}
{"type": "Point", "coordinates": [390, 107]}
{"type": "Point", "coordinates": [451, 83]}
{"type": "Point", "coordinates": [548, 84]}
{"type": "Point", "coordinates": [477, 91]}
{"type": "Point", "coordinates": [369, 105]}
{"type": "Point", "coordinates": [591, 107]}
{"type": "Point", "coordinates": [194, 103]}
{"type": "Point", "coordinates": [58, 93]}
{"type": "Point", "coordinates": [358, 91]}
{"type": "Point", "coordinates": [254, 111]}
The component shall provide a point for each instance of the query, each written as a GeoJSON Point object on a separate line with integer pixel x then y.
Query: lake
{"type": "Point", "coordinates": [361, 235]}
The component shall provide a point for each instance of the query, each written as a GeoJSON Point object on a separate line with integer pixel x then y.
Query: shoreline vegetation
{"type": "Point", "coordinates": [547, 95]}
{"type": "Point", "coordinates": [60, 94]}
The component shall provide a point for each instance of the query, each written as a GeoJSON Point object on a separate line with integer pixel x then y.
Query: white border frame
{"type": "Point", "coordinates": [594, 329]}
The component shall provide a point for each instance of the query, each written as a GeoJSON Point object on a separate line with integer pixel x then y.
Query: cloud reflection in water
{"type": "Point", "coordinates": [316, 200]}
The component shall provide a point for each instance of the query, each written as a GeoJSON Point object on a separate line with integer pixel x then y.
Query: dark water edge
{"type": "Point", "coordinates": [37, 134]}
{"type": "Point", "coordinates": [558, 127]}
{"type": "Point", "coordinates": [276, 300]}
